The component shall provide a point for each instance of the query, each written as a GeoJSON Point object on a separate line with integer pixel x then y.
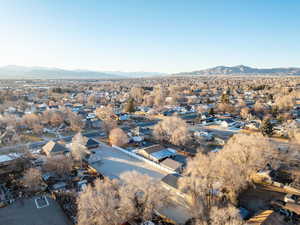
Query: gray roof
{"type": "Point", "coordinates": [5, 158]}
{"type": "Point", "coordinates": [180, 158]}
{"type": "Point", "coordinates": [172, 180]}
{"type": "Point", "coordinates": [163, 153]}
{"type": "Point", "coordinates": [91, 142]}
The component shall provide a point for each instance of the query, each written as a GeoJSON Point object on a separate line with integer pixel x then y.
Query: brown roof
{"type": "Point", "coordinates": [171, 163]}
{"type": "Point", "coordinates": [53, 148]}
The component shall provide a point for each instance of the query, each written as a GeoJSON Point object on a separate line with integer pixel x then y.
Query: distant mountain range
{"type": "Point", "coordinates": [242, 70]}
{"type": "Point", "coordinates": [22, 72]}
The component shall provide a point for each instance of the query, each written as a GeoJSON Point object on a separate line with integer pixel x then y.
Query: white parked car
{"type": "Point", "coordinates": [291, 198]}
{"type": "Point", "coordinates": [148, 223]}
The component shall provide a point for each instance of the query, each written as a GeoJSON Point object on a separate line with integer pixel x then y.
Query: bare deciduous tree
{"type": "Point", "coordinates": [112, 202]}
{"type": "Point", "coordinates": [285, 102]}
{"type": "Point", "coordinates": [61, 165]}
{"type": "Point", "coordinates": [199, 181]}
{"type": "Point", "coordinates": [78, 148]}
{"type": "Point", "coordinates": [91, 100]}
{"type": "Point", "coordinates": [57, 118]}
{"type": "Point", "coordinates": [159, 97]}
{"type": "Point", "coordinates": [101, 205]}
{"type": "Point", "coordinates": [259, 107]}
{"type": "Point", "coordinates": [148, 100]}
{"type": "Point", "coordinates": [31, 120]}
{"type": "Point", "coordinates": [144, 194]}
{"type": "Point", "coordinates": [80, 139]}
{"type": "Point", "coordinates": [32, 179]}
{"type": "Point", "coordinates": [137, 94]}
{"type": "Point", "coordinates": [210, 178]}
{"type": "Point", "coordinates": [105, 113]}
{"type": "Point", "coordinates": [228, 215]}
{"type": "Point", "coordinates": [75, 121]}
{"type": "Point", "coordinates": [241, 158]}
{"type": "Point", "coordinates": [118, 137]}
{"type": "Point", "coordinates": [109, 125]}
{"type": "Point", "coordinates": [78, 151]}
{"type": "Point", "coordinates": [37, 129]}
{"type": "Point", "coordinates": [172, 129]}
{"type": "Point", "coordinates": [245, 112]}
{"type": "Point", "coordinates": [81, 98]}
{"type": "Point", "coordinates": [295, 135]}
{"type": "Point", "coordinates": [291, 158]}
{"type": "Point", "coordinates": [225, 108]}
{"type": "Point", "coordinates": [203, 183]}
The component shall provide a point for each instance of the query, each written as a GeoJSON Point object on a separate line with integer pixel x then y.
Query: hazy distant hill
{"type": "Point", "coordinates": [242, 70]}
{"type": "Point", "coordinates": [21, 72]}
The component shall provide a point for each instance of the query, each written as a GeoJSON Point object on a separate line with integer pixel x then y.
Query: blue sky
{"type": "Point", "coordinates": [149, 35]}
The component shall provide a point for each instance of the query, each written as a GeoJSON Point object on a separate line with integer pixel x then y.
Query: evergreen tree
{"type": "Point", "coordinates": [225, 98]}
{"type": "Point", "coordinates": [211, 111]}
{"type": "Point", "coordinates": [274, 111]}
{"type": "Point", "coordinates": [266, 127]}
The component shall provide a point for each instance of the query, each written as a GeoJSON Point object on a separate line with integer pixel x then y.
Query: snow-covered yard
{"type": "Point", "coordinates": [114, 162]}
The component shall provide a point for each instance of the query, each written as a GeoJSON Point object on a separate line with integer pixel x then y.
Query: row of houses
{"type": "Point", "coordinates": [53, 148]}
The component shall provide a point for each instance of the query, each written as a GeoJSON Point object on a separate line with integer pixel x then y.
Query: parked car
{"type": "Point", "coordinates": [292, 198]}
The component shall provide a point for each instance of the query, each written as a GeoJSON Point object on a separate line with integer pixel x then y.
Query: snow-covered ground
{"type": "Point", "coordinates": [114, 162]}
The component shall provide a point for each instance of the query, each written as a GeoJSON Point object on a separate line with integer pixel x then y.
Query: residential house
{"type": "Point", "coordinates": [91, 143]}
{"type": "Point", "coordinates": [172, 165]}
{"type": "Point", "coordinates": [157, 153]}
{"type": "Point", "coordinates": [42, 107]}
{"type": "Point", "coordinates": [227, 122]}
{"type": "Point", "coordinates": [94, 123]}
{"type": "Point", "coordinates": [7, 164]}
{"type": "Point", "coordinates": [53, 148]}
